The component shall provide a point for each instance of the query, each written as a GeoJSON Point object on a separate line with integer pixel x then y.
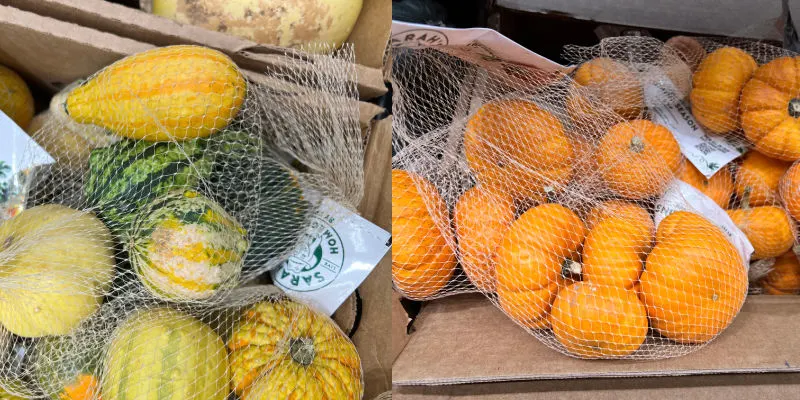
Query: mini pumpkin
{"type": "Point", "coordinates": [499, 143]}
{"type": "Point", "coordinates": [757, 178]}
{"type": "Point", "coordinates": [537, 246]}
{"type": "Point", "coordinates": [598, 321]}
{"type": "Point", "coordinates": [481, 218]}
{"type": "Point", "coordinates": [638, 158]}
{"type": "Point", "coordinates": [768, 228]}
{"type": "Point", "coordinates": [614, 251]}
{"type": "Point", "coordinates": [784, 277]}
{"type": "Point", "coordinates": [718, 188]}
{"type": "Point", "coordinates": [716, 86]}
{"type": "Point", "coordinates": [606, 83]}
{"type": "Point", "coordinates": [790, 190]}
{"type": "Point", "coordinates": [771, 109]}
{"type": "Point", "coordinates": [620, 209]}
{"type": "Point", "coordinates": [422, 257]}
{"type": "Point", "coordinates": [694, 282]}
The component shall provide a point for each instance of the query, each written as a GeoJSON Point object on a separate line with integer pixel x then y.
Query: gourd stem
{"type": "Point", "coordinates": [571, 268]}
{"type": "Point", "coordinates": [550, 194]}
{"type": "Point", "coordinates": [794, 107]}
{"type": "Point", "coordinates": [302, 351]}
{"type": "Point", "coordinates": [637, 144]}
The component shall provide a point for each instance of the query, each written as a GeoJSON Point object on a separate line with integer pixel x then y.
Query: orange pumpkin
{"type": "Point", "coordinates": [614, 251]}
{"type": "Point", "coordinates": [790, 191]}
{"type": "Point", "coordinates": [517, 146]}
{"type": "Point", "coordinates": [422, 258]}
{"type": "Point", "coordinates": [716, 85]}
{"type": "Point", "coordinates": [768, 229]}
{"type": "Point", "coordinates": [694, 281]}
{"type": "Point", "coordinates": [758, 177]}
{"type": "Point", "coordinates": [638, 158]}
{"type": "Point", "coordinates": [784, 277]}
{"type": "Point", "coordinates": [620, 209]}
{"type": "Point", "coordinates": [607, 83]}
{"type": "Point", "coordinates": [718, 188]}
{"type": "Point", "coordinates": [771, 109]}
{"type": "Point", "coordinates": [598, 321]}
{"type": "Point", "coordinates": [530, 260]}
{"type": "Point", "coordinates": [482, 218]}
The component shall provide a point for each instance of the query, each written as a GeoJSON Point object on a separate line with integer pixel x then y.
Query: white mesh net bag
{"type": "Point", "coordinates": [567, 200]}
{"type": "Point", "coordinates": [178, 181]}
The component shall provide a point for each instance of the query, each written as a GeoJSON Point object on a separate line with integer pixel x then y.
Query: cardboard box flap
{"type": "Point", "coordinates": [468, 327]}
{"type": "Point", "coordinates": [149, 28]}
{"type": "Point", "coordinates": [38, 46]}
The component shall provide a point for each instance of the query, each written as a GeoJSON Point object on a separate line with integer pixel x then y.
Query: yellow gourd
{"type": "Point", "coordinates": [16, 99]}
{"type": "Point", "coordinates": [169, 93]}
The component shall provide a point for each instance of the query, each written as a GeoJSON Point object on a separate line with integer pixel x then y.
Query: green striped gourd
{"type": "Point", "coordinates": [184, 246]}
{"type": "Point", "coordinates": [164, 354]}
{"type": "Point", "coordinates": [127, 175]}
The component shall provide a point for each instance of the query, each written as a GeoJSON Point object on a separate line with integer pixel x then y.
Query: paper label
{"type": "Point", "coordinates": [18, 154]}
{"type": "Point", "coordinates": [338, 251]}
{"type": "Point", "coordinates": [708, 153]}
{"type": "Point", "coordinates": [681, 196]}
{"type": "Point", "coordinates": [487, 41]}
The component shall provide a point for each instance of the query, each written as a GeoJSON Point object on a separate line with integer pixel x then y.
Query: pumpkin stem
{"type": "Point", "coordinates": [637, 144]}
{"type": "Point", "coordinates": [571, 268]}
{"type": "Point", "coordinates": [794, 107]}
{"type": "Point", "coordinates": [302, 351]}
{"type": "Point", "coordinates": [550, 194]}
{"type": "Point", "coordinates": [746, 198]}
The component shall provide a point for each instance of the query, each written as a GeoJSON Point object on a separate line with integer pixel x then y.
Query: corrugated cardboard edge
{"type": "Point", "coordinates": [143, 27]}
{"type": "Point", "coordinates": [372, 338]}
{"type": "Point", "coordinates": [761, 339]}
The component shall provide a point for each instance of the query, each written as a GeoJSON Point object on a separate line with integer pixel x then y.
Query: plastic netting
{"type": "Point", "coordinates": [134, 267]}
{"type": "Point", "coordinates": [602, 207]}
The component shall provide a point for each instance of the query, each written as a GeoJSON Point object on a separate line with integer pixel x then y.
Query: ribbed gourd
{"type": "Point", "coordinates": [184, 246]}
{"type": "Point", "coordinates": [169, 93]}
{"type": "Point", "coordinates": [281, 349]}
{"type": "Point", "coordinates": [165, 354]}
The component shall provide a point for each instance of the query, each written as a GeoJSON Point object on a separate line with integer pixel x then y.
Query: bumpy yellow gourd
{"type": "Point", "coordinates": [16, 100]}
{"type": "Point", "coordinates": [175, 92]}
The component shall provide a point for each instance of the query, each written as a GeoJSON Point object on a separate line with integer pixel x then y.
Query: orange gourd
{"type": "Point", "coordinates": [768, 228]}
{"type": "Point", "coordinates": [614, 251]}
{"type": "Point", "coordinates": [718, 188]}
{"type": "Point", "coordinates": [771, 109]}
{"type": "Point", "coordinates": [784, 277]}
{"type": "Point", "coordinates": [694, 282]}
{"type": "Point", "coordinates": [620, 209]}
{"type": "Point", "coordinates": [606, 83]}
{"type": "Point", "coordinates": [716, 86]}
{"type": "Point", "coordinates": [593, 321]}
{"type": "Point", "coordinates": [757, 178]}
{"type": "Point", "coordinates": [517, 146]}
{"type": "Point", "coordinates": [422, 258]}
{"type": "Point", "coordinates": [638, 158]}
{"type": "Point", "coordinates": [790, 191]}
{"type": "Point", "coordinates": [481, 218]}
{"type": "Point", "coordinates": [537, 246]}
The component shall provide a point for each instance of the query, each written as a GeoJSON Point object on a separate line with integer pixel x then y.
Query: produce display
{"type": "Point", "coordinates": [136, 267]}
{"type": "Point", "coordinates": [621, 207]}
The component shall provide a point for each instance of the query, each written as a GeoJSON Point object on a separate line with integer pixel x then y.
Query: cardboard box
{"type": "Point", "coordinates": [369, 37]}
{"type": "Point", "coordinates": [51, 53]}
{"type": "Point", "coordinates": [464, 345]}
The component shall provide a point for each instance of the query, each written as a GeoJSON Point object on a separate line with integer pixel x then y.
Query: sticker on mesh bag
{"type": "Point", "coordinates": [336, 254]}
{"type": "Point", "coordinates": [708, 153]}
{"type": "Point", "coordinates": [488, 42]}
{"type": "Point", "coordinates": [681, 196]}
{"type": "Point", "coordinates": [16, 166]}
